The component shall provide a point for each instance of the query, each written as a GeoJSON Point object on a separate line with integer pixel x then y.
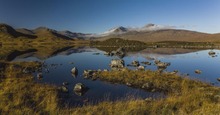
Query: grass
{"type": "Point", "coordinates": [19, 94]}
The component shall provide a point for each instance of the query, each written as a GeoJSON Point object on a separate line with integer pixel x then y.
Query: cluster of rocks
{"type": "Point", "coordinates": [79, 88]}
{"type": "Point", "coordinates": [117, 63]}
{"type": "Point", "coordinates": [212, 53]}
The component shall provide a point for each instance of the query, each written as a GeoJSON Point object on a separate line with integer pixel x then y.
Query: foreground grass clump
{"type": "Point", "coordinates": [19, 94]}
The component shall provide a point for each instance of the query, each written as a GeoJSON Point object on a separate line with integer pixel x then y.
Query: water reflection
{"type": "Point", "coordinates": [58, 62]}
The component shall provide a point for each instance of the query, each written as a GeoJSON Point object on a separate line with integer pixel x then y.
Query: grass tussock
{"type": "Point", "coordinates": [19, 94]}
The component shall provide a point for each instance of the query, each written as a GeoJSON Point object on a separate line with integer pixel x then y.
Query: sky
{"type": "Point", "coordinates": [97, 16]}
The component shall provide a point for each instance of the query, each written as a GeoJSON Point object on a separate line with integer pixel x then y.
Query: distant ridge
{"type": "Point", "coordinates": [147, 33]}
{"type": "Point", "coordinates": [8, 31]}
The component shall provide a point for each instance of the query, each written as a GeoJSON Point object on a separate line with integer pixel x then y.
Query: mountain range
{"type": "Point", "coordinates": [147, 33]}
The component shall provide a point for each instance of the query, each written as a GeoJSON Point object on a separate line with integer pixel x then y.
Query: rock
{"type": "Point", "coordinates": [87, 73]}
{"type": "Point", "coordinates": [79, 87]}
{"type": "Point", "coordinates": [174, 72]}
{"type": "Point", "coordinates": [105, 70]}
{"type": "Point", "coordinates": [39, 75]}
{"type": "Point", "coordinates": [135, 63]}
{"type": "Point", "coordinates": [118, 63]}
{"type": "Point", "coordinates": [140, 68]}
{"type": "Point", "coordinates": [128, 84]}
{"type": "Point", "coordinates": [149, 99]}
{"type": "Point", "coordinates": [64, 89]}
{"type": "Point", "coordinates": [211, 53]}
{"type": "Point", "coordinates": [147, 85]}
{"type": "Point", "coordinates": [198, 71]}
{"type": "Point", "coordinates": [162, 64]}
{"type": "Point", "coordinates": [99, 70]}
{"type": "Point", "coordinates": [74, 71]}
{"type": "Point", "coordinates": [65, 83]}
{"type": "Point", "coordinates": [157, 61]}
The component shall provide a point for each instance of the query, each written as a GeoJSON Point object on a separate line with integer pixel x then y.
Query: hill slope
{"type": "Point", "coordinates": [167, 35]}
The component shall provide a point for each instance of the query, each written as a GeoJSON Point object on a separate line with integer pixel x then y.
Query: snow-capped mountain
{"type": "Point", "coordinates": [123, 30]}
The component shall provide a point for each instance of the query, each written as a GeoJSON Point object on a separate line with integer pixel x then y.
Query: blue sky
{"type": "Point", "coordinates": [97, 16]}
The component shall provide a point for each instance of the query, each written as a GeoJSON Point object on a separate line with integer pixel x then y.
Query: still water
{"type": "Point", "coordinates": [186, 61]}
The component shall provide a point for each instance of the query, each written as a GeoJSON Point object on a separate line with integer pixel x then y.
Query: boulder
{"type": "Point", "coordinates": [211, 53]}
{"type": "Point", "coordinates": [74, 71]}
{"type": "Point", "coordinates": [198, 71]}
{"type": "Point", "coordinates": [79, 87]}
{"type": "Point", "coordinates": [140, 68]}
{"type": "Point", "coordinates": [118, 63]}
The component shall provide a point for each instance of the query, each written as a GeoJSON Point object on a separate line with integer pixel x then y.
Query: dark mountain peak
{"type": "Point", "coordinates": [4, 28]}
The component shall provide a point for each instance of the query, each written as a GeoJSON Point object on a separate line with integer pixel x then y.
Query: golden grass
{"type": "Point", "coordinates": [19, 94]}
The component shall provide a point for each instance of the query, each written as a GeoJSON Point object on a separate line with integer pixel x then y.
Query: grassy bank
{"type": "Point", "coordinates": [20, 94]}
{"type": "Point", "coordinates": [184, 96]}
